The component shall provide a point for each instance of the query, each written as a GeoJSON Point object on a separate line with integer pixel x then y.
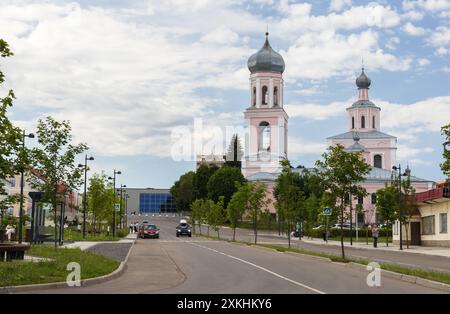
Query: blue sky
{"type": "Point", "coordinates": [127, 73]}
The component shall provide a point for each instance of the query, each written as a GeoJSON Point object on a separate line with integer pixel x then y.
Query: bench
{"type": "Point", "coordinates": [12, 251]}
{"type": "Point", "coordinates": [41, 235]}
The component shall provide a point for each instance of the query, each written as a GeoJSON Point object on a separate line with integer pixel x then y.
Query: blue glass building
{"type": "Point", "coordinates": [156, 203]}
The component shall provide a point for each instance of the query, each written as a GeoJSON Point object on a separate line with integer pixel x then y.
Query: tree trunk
{"type": "Point", "coordinates": [289, 234]}
{"type": "Point", "coordinates": [342, 229]}
{"type": "Point", "coordinates": [234, 234]}
{"type": "Point", "coordinates": [55, 216]}
{"type": "Point", "coordinates": [255, 229]}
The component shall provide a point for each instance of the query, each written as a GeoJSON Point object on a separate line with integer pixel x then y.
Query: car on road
{"type": "Point", "coordinates": [184, 229]}
{"type": "Point", "coordinates": [344, 226]}
{"type": "Point", "coordinates": [319, 227]}
{"type": "Point", "coordinates": [149, 231]}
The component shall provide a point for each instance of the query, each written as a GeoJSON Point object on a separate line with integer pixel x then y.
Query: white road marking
{"type": "Point", "coordinates": [261, 268]}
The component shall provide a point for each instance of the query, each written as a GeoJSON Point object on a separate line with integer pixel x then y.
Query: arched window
{"type": "Point", "coordinates": [275, 96]}
{"type": "Point", "coordinates": [373, 122]}
{"type": "Point", "coordinates": [265, 95]}
{"type": "Point", "coordinates": [254, 96]}
{"type": "Point", "coordinates": [264, 136]}
{"type": "Point", "coordinates": [377, 161]}
{"type": "Point", "coordinates": [374, 198]}
{"type": "Point", "coordinates": [363, 122]}
{"type": "Point", "coordinates": [360, 200]}
{"type": "Point", "coordinates": [353, 122]}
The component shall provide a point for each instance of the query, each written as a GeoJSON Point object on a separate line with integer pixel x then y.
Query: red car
{"type": "Point", "coordinates": [149, 231]}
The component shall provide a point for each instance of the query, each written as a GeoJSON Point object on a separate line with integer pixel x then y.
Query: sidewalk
{"type": "Point", "coordinates": [424, 250]}
{"type": "Point", "coordinates": [84, 245]}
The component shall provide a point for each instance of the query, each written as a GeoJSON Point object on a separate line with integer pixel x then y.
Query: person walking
{"type": "Point", "coordinates": [375, 233]}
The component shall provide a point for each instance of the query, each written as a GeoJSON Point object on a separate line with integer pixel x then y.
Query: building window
{"type": "Point", "coordinates": [156, 203]}
{"type": "Point", "coordinates": [428, 225]}
{"type": "Point", "coordinates": [353, 122]}
{"type": "Point", "coordinates": [377, 161]}
{"type": "Point", "coordinates": [347, 199]}
{"type": "Point", "coordinates": [360, 200]}
{"type": "Point", "coordinates": [373, 122]}
{"type": "Point", "coordinates": [265, 95]}
{"type": "Point", "coordinates": [264, 136]}
{"type": "Point", "coordinates": [374, 198]}
{"type": "Point", "coordinates": [275, 96]}
{"type": "Point", "coordinates": [443, 223]}
{"type": "Point", "coordinates": [363, 122]}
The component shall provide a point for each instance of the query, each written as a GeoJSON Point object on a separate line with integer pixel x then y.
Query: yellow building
{"type": "Point", "coordinates": [429, 224]}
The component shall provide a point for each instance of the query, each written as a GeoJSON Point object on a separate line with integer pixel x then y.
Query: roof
{"type": "Point", "coordinates": [356, 147]}
{"type": "Point", "coordinates": [263, 176]}
{"type": "Point", "coordinates": [364, 104]}
{"type": "Point", "coordinates": [266, 60]}
{"type": "Point", "coordinates": [363, 81]}
{"type": "Point", "coordinates": [362, 135]}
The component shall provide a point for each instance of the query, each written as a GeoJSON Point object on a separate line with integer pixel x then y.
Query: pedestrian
{"type": "Point", "coordinates": [10, 230]}
{"type": "Point", "coordinates": [135, 227]}
{"type": "Point", "coordinates": [375, 233]}
{"type": "Point", "coordinates": [131, 228]}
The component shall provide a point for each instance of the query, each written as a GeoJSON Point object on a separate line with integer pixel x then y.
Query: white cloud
{"type": "Point", "coordinates": [423, 62]}
{"type": "Point", "coordinates": [427, 5]}
{"type": "Point", "coordinates": [299, 147]}
{"type": "Point", "coordinates": [440, 37]}
{"type": "Point", "coordinates": [221, 35]}
{"type": "Point", "coordinates": [316, 111]}
{"type": "Point", "coordinates": [338, 5]}
{"type": "Point", "coordinates": [412, 30]}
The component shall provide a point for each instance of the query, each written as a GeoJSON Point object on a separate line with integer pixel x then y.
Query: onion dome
{"type": "Point", "coordinates": [356, 147]}
{"type": "Point", "coordinates": [363, 81]}
{"type": "Point", "coordinates": [266, 60]}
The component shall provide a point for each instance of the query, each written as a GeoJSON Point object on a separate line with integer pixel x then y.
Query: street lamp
{"type": "Point", "coordinates": [126, 208]}
{"type": "Point", "coordinates": [84, 195]}
{"type": "Point", "coordinates": [407, 173]}
{"type": "Point", "coordinates": [121, 199]}
{"type": "Point", "coordinates": [114, 193]}
{"type": "Point", "coordinates": [24, 135]}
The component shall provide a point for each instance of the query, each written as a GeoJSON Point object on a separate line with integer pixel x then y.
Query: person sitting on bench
{"type": "Point", "coordinates": [10, 230]}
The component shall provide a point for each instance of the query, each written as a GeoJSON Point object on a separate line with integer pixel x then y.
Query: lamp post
{"type": "Point", "coordinates": [126, 209]}
{"type": "Point", "coordinates": [114, 194]}
{"type": "Point", "coordinates": [24, 135]}
{"type": "Point", "coordinates": [84, 195]}
{"type": "Point", "coordinates": [407, 173]}
{"type": "Point", "coordinates": [121, 200]}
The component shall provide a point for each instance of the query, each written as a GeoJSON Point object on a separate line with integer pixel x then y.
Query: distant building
{"type": "Point", "coordinates": [149, 201]}
{"type": "Point", "coordinates": [210, 160]}
{"type": "Point", "coordinates": [429, 224]}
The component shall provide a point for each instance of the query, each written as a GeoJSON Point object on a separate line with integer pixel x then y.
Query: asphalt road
{"type": "Point", "coordinates": [198, 265]}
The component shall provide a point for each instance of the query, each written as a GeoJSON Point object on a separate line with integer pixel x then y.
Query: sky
{"type": "Point", "coordinates": [128, 73]}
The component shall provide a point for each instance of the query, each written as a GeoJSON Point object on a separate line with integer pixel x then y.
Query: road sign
{"type": "Point", "coordinates": [327, 211]}
{"type": "Point", "coordinates": [117, 206]}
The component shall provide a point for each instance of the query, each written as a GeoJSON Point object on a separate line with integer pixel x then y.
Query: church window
{"type": "Point", "coordinates": [275, 96]}
{"type": "Point", "coordinates": [373, 122]}
{"type": "Point", "coordinates": [377, 161]}
{"type": "Point", "coordinates": [374, 198]}
{"type": "Point", "coordinates": [265, 96]}
{"type": "Point", "coordinates": [353, 122]}
{"type": "Point", "coordinates": [254, 96]}
{"type": "Point", "coordinates": [363, 122]}
{"type": "Point", "coordinates": [264, 136]}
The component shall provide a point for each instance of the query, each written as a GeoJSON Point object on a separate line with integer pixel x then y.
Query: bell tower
{"type": "Point", "coordinates": [265, 119]}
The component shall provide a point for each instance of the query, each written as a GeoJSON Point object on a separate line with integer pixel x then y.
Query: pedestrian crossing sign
{"type": "Point", "coordinates": [327, 211]}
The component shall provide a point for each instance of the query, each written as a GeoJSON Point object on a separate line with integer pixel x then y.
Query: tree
{"type": "Point", "coordinates": [183, 191]}
{"type": "Point", "coordinates": [257, 204]}
{"type": "Point", "coordinates": [99, 200]}
{"type": "Point", "coordinates": [408, 205]}
{"type": "Point", "coordinates": [196, 213]}
{"type": "Point", "coordinates": [11, 155]}
{"type": "Point", "coordinates": [223, 183]}
{"type": "Point", "coordinates": [445, 165]}
{"type": "Point", "coordinates": [237, 206]}
{"type": "Point", "coordinates": [202, 176]}
{"type": "Point", "coordinates": [234, 153]}
{"type": "Point", "coordinates": [55, 163]}
{"type": "Point", "coordinates": [342, 173]}
{"type": "Point", "coordinates": [387, 205]}
{"type": "Point", "coordinates": [215, 215]}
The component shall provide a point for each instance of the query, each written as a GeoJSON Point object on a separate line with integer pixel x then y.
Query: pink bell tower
{"type": "Point", "coordinates": [265, 119]}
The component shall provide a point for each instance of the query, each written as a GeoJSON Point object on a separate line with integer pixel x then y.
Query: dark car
{"type": "Point", "coordinates": [149, 231]}
{"type": "Point", "coordinates": [184, 229]}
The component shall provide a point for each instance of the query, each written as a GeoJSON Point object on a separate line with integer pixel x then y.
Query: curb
{"type": "Point", "coordinates": [326, 259]}
{"type": "Point", "coordinates": [406, 278]}
{"type": "Point", "coordinates": [63, 285]}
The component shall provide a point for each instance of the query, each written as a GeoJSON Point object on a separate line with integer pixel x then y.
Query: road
{"type": "Point", "coordinates": [198, 265]}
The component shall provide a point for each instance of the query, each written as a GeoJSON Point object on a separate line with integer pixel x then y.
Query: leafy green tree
{"type": "Point", "coordinates": [234, 153]}
{"type": "Point", "coordinates": [183, 191]}
{"type": "Point", "coordinates": [196, 213]}
{"type": "Point", "coordinates": [342, 174]}
{"type": "Point", "coordinates": [99, 200]}
{"type": "Point", "coordinates": [257, 204]}
{"type": "Point", "coordinates": [237, 206]}
{"type": "Point", "coordinates": [387, 205]}
{"type": "Point", "coordinates": [55, 163]}
{"type": "Point", "coordinates": [202, 176]}
{"type": "Point", "coordinates": [223, 183]}
{"type": "Point", "coordinates": [408, 205]}
{"type": "Point", "coordinates": [215, 215]}
{"type": "Point", "coordinates": [445, 165]}
{"type": "Point", "coordinates": [10, 137]}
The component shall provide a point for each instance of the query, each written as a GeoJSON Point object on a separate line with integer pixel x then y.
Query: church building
{"type": "Point", "coordinates": [266, 142]}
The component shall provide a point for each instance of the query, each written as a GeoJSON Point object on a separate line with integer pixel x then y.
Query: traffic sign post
{"type": "Point", "coordinates": [117, 206]}
{"type": "Point", "coordinates": [327, 211]}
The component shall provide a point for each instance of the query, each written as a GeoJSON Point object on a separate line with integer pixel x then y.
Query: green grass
{"type": "Point", "coordinates": [22, 273]}
{"type": "Point", "coordinates": [78, 236]}
{"type": "Point", "coordinates": [425, 274]}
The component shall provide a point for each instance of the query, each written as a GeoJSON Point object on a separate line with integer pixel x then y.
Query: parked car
{"type": "Point", "coordinates": [184, 229]}
{"type": "Point", "coordinates": [345, 226]}
{"type": "Point", "coordinates": [319, 227]}
{"type": "Point", "coordinates": [149, 231]}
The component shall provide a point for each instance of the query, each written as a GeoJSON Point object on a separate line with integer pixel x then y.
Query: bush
{"type": "Point", "coordinates": [336, 232]}
{"type": "Point", "coordinates": [122, 232]}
